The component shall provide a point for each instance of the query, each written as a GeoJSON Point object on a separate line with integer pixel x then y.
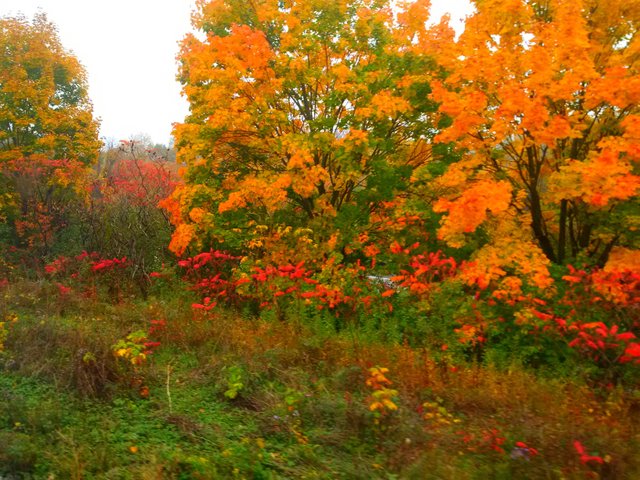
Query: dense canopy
{"type": "Point", "coordinates": [44, 107]}
{"type": "Point", "coordinates": [304, 114]}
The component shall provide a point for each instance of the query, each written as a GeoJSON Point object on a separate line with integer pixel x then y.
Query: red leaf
{"type": "Point", "coordinates": [633, 350]}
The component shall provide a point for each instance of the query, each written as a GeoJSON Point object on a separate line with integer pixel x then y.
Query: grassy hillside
{"type": "Point", "coordinates": [233, 396]}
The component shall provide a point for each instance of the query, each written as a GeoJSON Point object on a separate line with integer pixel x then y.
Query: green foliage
{"type": "Point", "coordinates": [235, 379]}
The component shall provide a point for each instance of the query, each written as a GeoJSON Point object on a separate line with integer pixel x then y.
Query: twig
{"type": "Point", "coordinates": [168, 387]}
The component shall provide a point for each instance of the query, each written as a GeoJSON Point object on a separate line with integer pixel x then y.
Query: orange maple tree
{"type": "Point", "coordinates": [542, 99]}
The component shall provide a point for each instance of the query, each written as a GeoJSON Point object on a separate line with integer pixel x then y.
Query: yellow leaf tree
{"type": "Point", "coordinates": [44, 107]}
{"type": "Point", "coordinates": [48, 136]}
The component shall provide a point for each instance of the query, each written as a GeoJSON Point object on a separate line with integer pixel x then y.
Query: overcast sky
{"type": "Point", "coordinates": [128, 48]}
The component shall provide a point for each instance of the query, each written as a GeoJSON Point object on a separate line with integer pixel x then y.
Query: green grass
{"type": "Point", "coordinates": [45, 430]}
{"type": "Point", "coordinates": [300, 409]}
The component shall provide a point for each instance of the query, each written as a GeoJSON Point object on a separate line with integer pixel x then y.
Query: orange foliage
{"type": "Point", "coordinates": [544, 97]}
{"type": "Point", "coordinates": [470, 209]}
{"type": "Point", "coordinates": [294, 113]}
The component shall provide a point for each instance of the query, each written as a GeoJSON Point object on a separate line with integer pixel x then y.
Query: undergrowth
{"type": "Point", "coordinates": [230, 396]}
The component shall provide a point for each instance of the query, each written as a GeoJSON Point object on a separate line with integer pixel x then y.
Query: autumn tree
{"type": "Point", "coordinates": [542, 98]}
{"type": "Point", "coordinates": [304, 114]}
{"type": "Point", "coordinates": [48, 135]}
{"type": "Point", "coordinates": [44, 107]}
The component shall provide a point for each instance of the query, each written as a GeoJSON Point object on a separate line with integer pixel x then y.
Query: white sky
{"type": "Point", "coordinates": [128, 48]}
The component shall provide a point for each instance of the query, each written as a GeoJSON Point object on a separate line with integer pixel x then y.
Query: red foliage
{"type": "Point", "coordinates": [45, 191]}
{"type": "Point", "coordinates": [108, 264]}
{"type": "Point", "coordinates": [86, 272]}
{"type": "Point", "coordinates": [210, 274]}
{"type": "Point", "coordinates": [142, 182]}
{"type": "Point", "coordinates": [585, 458]}
{"type": "Point", "coordinates": [532, 452]}
{"type": "Point", "coordinates": [427, 269]}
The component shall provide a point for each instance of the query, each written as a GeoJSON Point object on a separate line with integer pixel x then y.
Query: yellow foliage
{"type": "Point", "coordinates": [38, 72]}
{"type": "Point", "coordinates": [508, 260]}
{"type": "Point", "coordinates": [291, 117]}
